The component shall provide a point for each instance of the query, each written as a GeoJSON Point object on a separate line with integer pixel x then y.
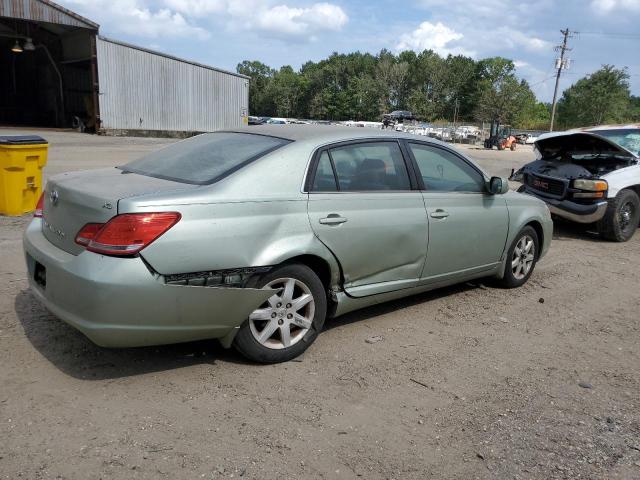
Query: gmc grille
{"type": "Point", "coordinates": [546, 185]}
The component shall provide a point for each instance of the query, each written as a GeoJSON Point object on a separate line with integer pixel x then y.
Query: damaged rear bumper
{"type": "Point", "coordinates": [119, 302]}
{"type": "Point", "coordinates": [576, 212]}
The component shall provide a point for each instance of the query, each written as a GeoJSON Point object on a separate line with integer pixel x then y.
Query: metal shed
{"type": "Point", "coordinates": [56, 71]}
{"type": "Point", "coordinates": [145, 90]}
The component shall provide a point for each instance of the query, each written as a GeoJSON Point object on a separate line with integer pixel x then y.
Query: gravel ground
{"type": "Point", "coordinates": [467, 382]}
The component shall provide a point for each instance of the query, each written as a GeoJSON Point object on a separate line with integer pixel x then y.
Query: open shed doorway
{"type": "Point", "coordinates": [48, 75]}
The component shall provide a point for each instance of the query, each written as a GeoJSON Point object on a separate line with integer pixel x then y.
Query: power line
{"type": "Point", "coordinates": [611, 34]}
{"type": "Point", "coordinates": [561, 64]}
{"type": "Point", "coordinates": [542, 81]}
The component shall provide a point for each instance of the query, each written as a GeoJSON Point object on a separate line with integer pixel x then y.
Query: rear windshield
{"type": "Point", "coordinates": [206, 158]}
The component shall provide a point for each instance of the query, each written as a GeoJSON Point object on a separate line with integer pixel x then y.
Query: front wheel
{"type": "Point", "coordinates": [521, 258]}
{"type": "Point", "coordinates": [289, 321]}
{"type": "Point", "coordinates": [621, 218]}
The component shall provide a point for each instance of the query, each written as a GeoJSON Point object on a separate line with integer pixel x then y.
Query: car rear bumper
{"type": "Point", "coordinates": [576, 212]}
{"type": "Point", "coordinates": [120, 302]}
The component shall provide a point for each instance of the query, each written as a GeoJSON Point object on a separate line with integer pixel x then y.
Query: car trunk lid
{"type": "Point", "coordinates": [72, 200]}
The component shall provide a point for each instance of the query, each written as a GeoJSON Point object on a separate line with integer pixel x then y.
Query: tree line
{"type": "Point", "coordinates": [363, 86]}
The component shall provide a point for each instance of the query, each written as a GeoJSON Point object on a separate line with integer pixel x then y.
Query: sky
{"type": "Point", "coordinates": [223, 33]}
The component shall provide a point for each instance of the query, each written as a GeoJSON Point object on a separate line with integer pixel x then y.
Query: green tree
{"type": "Point", "coordinates": [500, 96]}
{"type": "Point", "coordinates": [286, 89]}
{"type": "Point", "coordinates": [602, 97]}
{"type": "Point", "coordinates": [634, 109]}
{"type": "Point", "coordinates": [260, 75]}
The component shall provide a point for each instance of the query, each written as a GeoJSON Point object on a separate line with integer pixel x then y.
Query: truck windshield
{"type": "Point", "coordinates": [206, 158]}
{"type": "Point", "coordinates": [628, 138]}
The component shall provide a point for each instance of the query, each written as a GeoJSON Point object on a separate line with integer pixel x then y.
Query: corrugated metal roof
{"type": "Point", "coordinates": [155, 52]}
{"type": "Point", "coordinates": [44, 11]}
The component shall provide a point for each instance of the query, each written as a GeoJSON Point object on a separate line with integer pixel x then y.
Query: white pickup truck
{"type": "Point", "coordinates": [589, 175]}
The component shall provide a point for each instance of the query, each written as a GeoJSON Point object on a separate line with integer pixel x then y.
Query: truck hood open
{"type": "Point", "coordinates": [557, 145]}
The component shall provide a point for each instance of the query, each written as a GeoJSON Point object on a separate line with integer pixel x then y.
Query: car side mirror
{"type": "Point", "coordinates": [498, 186]}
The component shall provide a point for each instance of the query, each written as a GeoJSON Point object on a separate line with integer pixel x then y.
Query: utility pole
{"type": "Point", "coordinates": [561, 64]}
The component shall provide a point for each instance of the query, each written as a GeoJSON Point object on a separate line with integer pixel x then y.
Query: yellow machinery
{"type": "Point", "coordinates": [21, 161]}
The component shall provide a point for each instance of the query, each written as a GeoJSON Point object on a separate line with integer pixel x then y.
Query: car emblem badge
{"type": "Point", "coordinates": [53, 196]}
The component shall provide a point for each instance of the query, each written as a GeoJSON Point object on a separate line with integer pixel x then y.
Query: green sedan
{"type": "Point", "coordinates": [257, 236]}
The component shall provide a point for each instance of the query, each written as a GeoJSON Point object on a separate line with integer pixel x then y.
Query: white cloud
{"type": "Point", "coordinates": [512, 38]}
{"type": "Point", "coordinates": [520, 63]}
{"type": "Point", "coordinates": [296, 21]}
{"type": "Point", "coordinates": [437, 37]}
{"type": "Point", "coordinates": [133, 17]}
{"type": "Point", "coordinates": [615, 6]}
{"type": "Point", "coordinates": [196, 7]}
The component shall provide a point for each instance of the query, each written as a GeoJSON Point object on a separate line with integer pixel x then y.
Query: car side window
{"type": "Point", "coordinates": [442, 171]}
{"type": "Point", "coordinates": [370, 167]}
{"type": "Point", "coordinates": [324, 180]}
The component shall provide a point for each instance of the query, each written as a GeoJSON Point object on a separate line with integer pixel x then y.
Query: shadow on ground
{"type": "Point", "coordinates": [566, 230]}
{"type": "Point", "coordinates": [74, 354]}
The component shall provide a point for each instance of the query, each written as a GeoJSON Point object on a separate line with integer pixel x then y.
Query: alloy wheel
{"type": "Point", "coordinates": [524, 254]}
{"type": "Point", "coordinates": [285, 318]}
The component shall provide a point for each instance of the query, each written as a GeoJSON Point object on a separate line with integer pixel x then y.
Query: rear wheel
{"type": "Point", "coordinates": [521, 258]}
{"type": "Point", "coordinates": [289, 321]}
{"type": "Point", "coordinates": [621, 218]}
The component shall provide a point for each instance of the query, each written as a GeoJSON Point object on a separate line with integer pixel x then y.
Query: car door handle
{"type": "Point", "coordinates": [332, 219]}
{"type": "Point", "coordinates": [439, 213]}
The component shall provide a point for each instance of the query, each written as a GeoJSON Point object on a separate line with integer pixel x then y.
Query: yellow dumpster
{"type": "Point", "coordinates": [21, 160]}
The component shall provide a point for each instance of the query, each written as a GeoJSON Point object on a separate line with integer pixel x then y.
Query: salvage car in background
{"type": "Point", "coordinates": [590, 175]}
{"type": "Point", "coordinates": [255, 236]}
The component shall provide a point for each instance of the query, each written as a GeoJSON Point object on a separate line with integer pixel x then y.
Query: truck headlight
{"type": "Point", "coordinates": [591, 185]}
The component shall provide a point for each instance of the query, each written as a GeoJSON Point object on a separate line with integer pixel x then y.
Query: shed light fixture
{"type": "Point", "coordinates": [17, 48]}
{"type": "Point", "coordinates": [28, 45]}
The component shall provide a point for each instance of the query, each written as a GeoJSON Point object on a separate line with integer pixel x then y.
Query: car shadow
{"type": "Point", "coordinates": [74, 354]}
{"type": "Point", "coordinates": [566, 230]}
{"type": "Point", "coordinates": [406, 302]}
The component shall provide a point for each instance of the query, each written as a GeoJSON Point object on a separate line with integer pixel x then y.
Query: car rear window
{"type": "Point", "coordinates": [206, 158]}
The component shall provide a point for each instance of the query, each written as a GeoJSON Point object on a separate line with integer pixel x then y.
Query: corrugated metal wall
{"type": "Point", "coordinates": [43, 11]}
{"type": "Point", "coordinates": [144, 90]}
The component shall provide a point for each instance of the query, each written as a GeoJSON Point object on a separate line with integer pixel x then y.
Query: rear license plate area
{"type": "Point", "coordinates": [40, 275]}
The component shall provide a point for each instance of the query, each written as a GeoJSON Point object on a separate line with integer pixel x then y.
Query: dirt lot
{"type": "Point", "coordinates": [470, 382]}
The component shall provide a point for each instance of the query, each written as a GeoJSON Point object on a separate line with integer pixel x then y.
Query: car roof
{"type": "Point", "coordinates": [320, 134]}
{"type": "Point", "coordinates": [608, 127]}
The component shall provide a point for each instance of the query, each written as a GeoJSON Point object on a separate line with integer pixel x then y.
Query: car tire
{"type": "Point", "coordinates": [522, 257]}
{"type": "Point", "coordinates": [513, 147]}
{"type": "Point", "coordinates": [263, 336]}
{"type": "Point", "coordinates": [621, 219]}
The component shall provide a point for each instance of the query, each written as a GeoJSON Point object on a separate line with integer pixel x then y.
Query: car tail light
{"type": "Point", "coordinates": [39, 207]}
{"type": "Point", "coordinates": [88, 233]}
{"type": "Point", "coordinates": [128, 233]}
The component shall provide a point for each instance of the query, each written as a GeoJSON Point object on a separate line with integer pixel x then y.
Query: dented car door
{"type": "Point", "coordinates": [362, 207]}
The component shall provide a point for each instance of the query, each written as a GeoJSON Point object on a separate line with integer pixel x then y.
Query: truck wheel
{"type": "Point", "coordinates": [288, 322]}
{"type": "Point", "coordinates": [622, 217]}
